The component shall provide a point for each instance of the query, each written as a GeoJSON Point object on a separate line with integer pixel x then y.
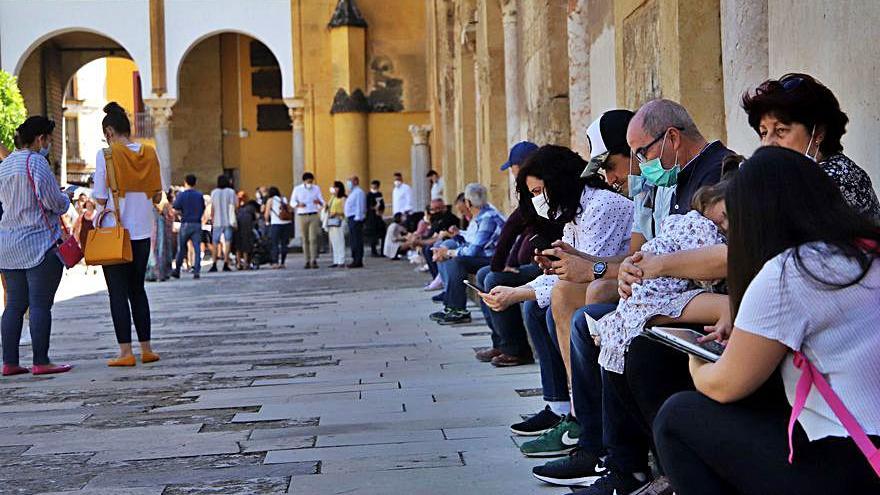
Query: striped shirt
{"type": "Point", "coordinates": [24, 235]}
{"type": "Point", "coordinates": [835, 328]}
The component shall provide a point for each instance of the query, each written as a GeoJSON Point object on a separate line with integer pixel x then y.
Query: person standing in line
{"type": "Point", "coordinates": [245, 240]}
{"type": "Point", "coordinates": [138, 186]}
{"type": "Point", "coordinates": [29, 233]}
{"type": "Point", "coordinates": [223, 221]}
{"type": "Point", "coordinates": [437, 185]}
{"type": "Point", "coordinates": [356, 213]}
{"type": "Point", "coordinates": [335, 219]}
{"type": "Point", "coordinates": [374, 228]}
{"type": "Point", "coordinates": [190, 205]}
{"type": "Point", "coordinates": [308, 201]}
{"type": "Point", "coordinates": [401, 197]}
{"type": "Point", "coordinates": [279, 217]}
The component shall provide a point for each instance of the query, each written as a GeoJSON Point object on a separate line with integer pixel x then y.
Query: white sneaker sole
{"type": "Point", "coordinates": [530, 433]}
{"type": "Point", "coordinates": [583, 481]}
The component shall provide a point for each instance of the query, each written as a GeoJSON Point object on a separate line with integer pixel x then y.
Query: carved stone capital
{"type": "Point", "coordinates": [160, 110]}
{"type": "Point", "coordinates": [420, 133]}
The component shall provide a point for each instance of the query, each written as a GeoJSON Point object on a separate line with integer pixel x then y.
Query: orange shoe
{"type": "Point", "coordinates": [122, 361]}
{"type": "Point", "coordinates": [149, 357]}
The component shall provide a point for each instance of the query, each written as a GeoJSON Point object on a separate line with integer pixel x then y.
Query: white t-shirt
{"type": "Point", "coordinates": [222, 203]}
{"type": "Point", "coordinates": [837, 329]}
{"type": "Point", "coordinates": [275, 210]}
{"type": "Point", "coordinates": [137, 209]}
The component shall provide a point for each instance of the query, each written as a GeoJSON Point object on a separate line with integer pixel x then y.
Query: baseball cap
{"type": "Point", "coordinates": [519, 153]}
{"type": "Point", "coordinates": [607, 135]}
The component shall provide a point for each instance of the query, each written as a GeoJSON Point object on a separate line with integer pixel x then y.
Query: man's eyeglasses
{"type": "Point", "coordinates": [641, 153]}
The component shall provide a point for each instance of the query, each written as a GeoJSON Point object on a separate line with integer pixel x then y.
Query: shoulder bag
{"type": "Point", "coordinates": [69, 251]}
{"type": "Point", "coordinates": [109, 245]}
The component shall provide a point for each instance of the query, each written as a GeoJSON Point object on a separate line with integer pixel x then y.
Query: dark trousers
{"type": "Point", "coordinates": [453, 272]}
{"type": "Point", "coordinates": [356, 235]}
{"type": "Point", "coordinates": [279, 237]}
{"type": "Point", "coordinates": [742, 448]}
{"type": "Point", "coordinates": [542, 330]}
{"type": "Point", "coordinates": [508, 329]}
{"type": "Point", "coordinates": [189, 232]}
{"type": "Point", "coordinates": [128, 298]}
{"type": "Point", "coordinates": [33, 288]}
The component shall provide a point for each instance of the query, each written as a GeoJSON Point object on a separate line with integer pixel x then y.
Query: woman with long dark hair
{"type": "Point", "coordinates": [29, 233]}
{"type": "Point", "coordinates": [804, 288]}
{"type": "Point", "coordinates": [136, 182]}
{"type": "Point", "coordinates": [279, 216]}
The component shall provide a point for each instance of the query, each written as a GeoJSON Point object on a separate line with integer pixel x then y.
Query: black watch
{"type": "Point", "coordinates": [599, 269]}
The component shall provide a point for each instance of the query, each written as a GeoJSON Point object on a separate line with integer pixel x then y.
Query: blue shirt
{"type": "Point", "coordinates": [483, 233]}
{"type": "Point", "coordinates": [191, 205]}
{"type": "Point", "coordinates": [30, 224]}
{"type": "Point", "coordinates": [356, 204]}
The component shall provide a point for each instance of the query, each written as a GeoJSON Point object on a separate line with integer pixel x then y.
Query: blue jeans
{"type": "Point", "coordinates": [607, 423]}
{"type": "Point", "coordinates": [190, 231]}
{"type": "Point", "coordinates": [542, 330]}
{"type": "Point", "coordinates": [33, 288]}
{"type": "Point", "coordinates": [453, 271]}
{"type": "Point", "coordinates": [279, 237]}
{"type": "Point", "coordinates": [429, 260]}
{"type": "Point", "coordinates": [508, 330]}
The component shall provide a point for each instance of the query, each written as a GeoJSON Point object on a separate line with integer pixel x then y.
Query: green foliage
{"type": "Point", "coordinates": [12, 110]}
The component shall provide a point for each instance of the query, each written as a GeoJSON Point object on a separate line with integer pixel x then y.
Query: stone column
{"type": "Point", "coordinates": [745, 64]}
{"type": "Point", "coordinates": [160, 113]}
{"type": "Point", "coordinates": [420, 158]}
{"type": "Point", "coordinates": [296, 110]}
{"type": "Point", "coordinates": [579, 76]}
{"type": "Point", "coordinates": [512, 79]}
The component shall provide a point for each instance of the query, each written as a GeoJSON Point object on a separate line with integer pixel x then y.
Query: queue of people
{"type": "Point", "coordinates": [770, 258]}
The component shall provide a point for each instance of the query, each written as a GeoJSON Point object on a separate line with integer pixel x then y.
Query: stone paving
{"type": "Point", "coordinates": [294, 381]}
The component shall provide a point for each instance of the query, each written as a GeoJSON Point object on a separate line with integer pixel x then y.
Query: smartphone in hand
{"type": "Point", "coordinates": [540, 243]}
{"type": "Point", "coordinates": [468, 284]}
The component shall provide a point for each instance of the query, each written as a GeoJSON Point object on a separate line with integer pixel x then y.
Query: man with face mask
{"type": "Point", "coordinates": [356, 213]}
{"type": "Point", "coordinates": [308, 201]}
{"type": "Point", "coordinates": [401, 197]}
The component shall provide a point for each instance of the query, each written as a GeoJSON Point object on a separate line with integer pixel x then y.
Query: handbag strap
{"type": "Point", "coordinates": [27, 168]}
{"type": "Point", "coordinates": [112, 186]}
{"type": "Point", "coordinates": [810, 376]}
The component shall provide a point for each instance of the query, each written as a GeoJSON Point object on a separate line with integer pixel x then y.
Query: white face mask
{"type": "Point", "coordinates": [810, 144]}
{"type": "Point", "coordinates": [308, 186]}
{"type": "Point", "coordinates": [397, 183]}
{"type": "Point", "coordinates": [332, 190]}
{"type": "Point", "coordinates": [542, 207]}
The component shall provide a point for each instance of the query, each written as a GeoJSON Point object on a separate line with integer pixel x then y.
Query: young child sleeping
{"type": "Point", "coordinates": [667, 299]}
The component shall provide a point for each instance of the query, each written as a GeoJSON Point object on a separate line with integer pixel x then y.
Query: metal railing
{"type": "Point", "coordinates": [143, 125]}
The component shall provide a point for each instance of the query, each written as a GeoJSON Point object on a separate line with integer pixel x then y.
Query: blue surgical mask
{"type": "Point", "coordinates": [45, 151]}
{"type": "Point", "coordinates": [654, 173]}
{"type": "Point", "coordinates": [635, 184]}
{"type": "Point", "coordinates": [349, 185]}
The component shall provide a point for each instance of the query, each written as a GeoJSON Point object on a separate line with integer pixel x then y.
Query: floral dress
{"type": "Point", "coordinates": [665, 296]}
{"type": "Point", "coordinates": [854, 184]}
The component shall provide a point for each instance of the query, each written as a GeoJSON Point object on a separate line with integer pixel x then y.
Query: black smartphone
{"type": "Point", "coordinates": [540, 243]}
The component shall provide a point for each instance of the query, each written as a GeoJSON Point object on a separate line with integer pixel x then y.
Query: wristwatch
{"type": "Point", "coordinates": [599, 269]}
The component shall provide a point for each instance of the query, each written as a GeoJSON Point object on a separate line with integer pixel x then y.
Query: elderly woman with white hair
{"type": "Point", "coordinates": [472, 251]}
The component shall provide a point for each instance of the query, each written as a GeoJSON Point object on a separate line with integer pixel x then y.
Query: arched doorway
{"type": "Point", "coordinates": [230, 117]}
{"type": "Point", "coordinates": [69, 77]}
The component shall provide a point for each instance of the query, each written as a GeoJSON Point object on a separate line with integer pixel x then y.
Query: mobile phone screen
{"type": "Point", "coordinates": [472, 286]}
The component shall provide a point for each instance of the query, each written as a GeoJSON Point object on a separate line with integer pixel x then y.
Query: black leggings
{"type": "Point", "coordinates": [125, 285]}
{"type": "Point", "coordinates": [742, 448]}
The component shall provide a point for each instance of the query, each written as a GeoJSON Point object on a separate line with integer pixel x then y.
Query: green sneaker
{"type": "Point", "coordinates": [561, 440]}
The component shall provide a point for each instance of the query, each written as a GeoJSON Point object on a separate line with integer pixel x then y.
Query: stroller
{"type": "Point", "coordinates": [262, 249]}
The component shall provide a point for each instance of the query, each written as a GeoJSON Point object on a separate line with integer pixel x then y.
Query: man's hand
{"type": "Point", "coordinates": [629, 274]}
{"type": "Point", "coordinates": [318, 202]}
{"type": "Point", "coordinates": [300, 205]}
{"type": "Point", "coordinates": [511, 269]}
{"type": "Point", "coordinates": [572, 265]}
{"type": "Point", "coordinates": [649, 265]}
{"type": "Point", "coordinates": [500, 298]}
{"type": "Point", "coordinates": [441, 254]}
{"type": "Point", "coordinates": [453, 231]}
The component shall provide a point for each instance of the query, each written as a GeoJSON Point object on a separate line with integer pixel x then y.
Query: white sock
{"type": "Point", "coordinates": [560, 408]}
{"type": "Point", "coordinates": [640, 476]}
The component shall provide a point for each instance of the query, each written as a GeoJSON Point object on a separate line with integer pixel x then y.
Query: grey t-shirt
{"type": "Point", "coordinates": [837, 329]}
{"type": "Point", "coordinates": [222, 206]}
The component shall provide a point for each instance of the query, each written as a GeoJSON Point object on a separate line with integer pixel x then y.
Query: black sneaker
{"type": "Point", "coordinates": [615, 483]}
{"type": "Point", "coordinates": [226, 267]}
{"type": "Point", "coordinates": [439, 315]}
{"type": "Point", "coordinates": [196, 276]}
{"type": "Point", "coordinates": [578, 468]}
{"type": "Point", "coordinates": [456, 316]}
{"type": "Point", "coordinates": [213, 269]}
{"type": "Point", "coordinates": [175, 274]}
{"type": "Point", "coordinates": [538, 424]}
{"type": "Point", "coordinates": [438, 298]}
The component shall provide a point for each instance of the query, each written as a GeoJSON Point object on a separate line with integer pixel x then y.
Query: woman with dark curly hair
{"type": "Point", "coordinates": [800, 113]}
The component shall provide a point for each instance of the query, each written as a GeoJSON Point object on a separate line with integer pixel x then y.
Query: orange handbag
{"type": "Point", "coordinates": [109, 245]}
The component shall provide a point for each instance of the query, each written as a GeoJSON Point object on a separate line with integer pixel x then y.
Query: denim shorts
{"type": "Point", "coordinates": [216, 232]}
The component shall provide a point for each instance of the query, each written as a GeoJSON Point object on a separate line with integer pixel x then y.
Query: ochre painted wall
{"type": "Point", "coordinates": [390, 143]}
{"type": "Point", "coordinates": [120, 82]}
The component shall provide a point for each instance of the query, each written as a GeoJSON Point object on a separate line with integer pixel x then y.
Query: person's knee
{"type": "Point", "coordinates": [675, 414]}
{"type": "Point", "coordinates": [602, 292]}
{"type": "Point", "coordinates": [567, 295]}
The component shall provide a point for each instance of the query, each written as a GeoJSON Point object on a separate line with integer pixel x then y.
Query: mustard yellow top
{"type": "Point", "coordinates": [337, 206]}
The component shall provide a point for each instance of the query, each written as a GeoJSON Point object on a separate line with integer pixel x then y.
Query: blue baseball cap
{"type": "Point", "coordinates": [519, 153]}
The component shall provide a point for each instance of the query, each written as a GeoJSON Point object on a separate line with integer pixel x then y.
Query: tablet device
{"type": "Point", "coordinates": [685, 340]}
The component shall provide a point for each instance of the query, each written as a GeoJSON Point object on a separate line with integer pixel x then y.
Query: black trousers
{"type": "Point", "coordinates": [742, 448]}
{"type": "Point", "coordinates": [128, 298]}
{"type": "Point", "coordinates": [356, 236]}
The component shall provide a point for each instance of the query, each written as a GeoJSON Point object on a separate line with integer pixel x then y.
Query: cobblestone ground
{"type": "Point", "coordinates": [306, 382]}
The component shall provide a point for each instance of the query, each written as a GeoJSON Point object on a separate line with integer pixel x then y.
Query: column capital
{"type": "Point", "coordinates": [160, 110]}
{"type": "Point", "coordinates": [420, 133]}
{"type": "Point", "coordinates": [508, 10]}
